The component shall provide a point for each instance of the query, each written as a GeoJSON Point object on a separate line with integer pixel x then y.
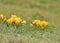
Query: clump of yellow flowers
{"type": "Point", "coordinates": [40, 23]}
{"type": "Point", "coordinates": [17, 20]}
{"type": "Point", "coordinates": [14, 19]}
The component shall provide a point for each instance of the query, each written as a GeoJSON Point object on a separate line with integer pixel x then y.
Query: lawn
{"type": "Point", "coordinates": [29, 10]}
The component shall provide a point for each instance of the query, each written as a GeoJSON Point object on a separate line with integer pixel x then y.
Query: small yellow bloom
{"type": "Point", "coordinates": [43, 24]}
{"type": "Point", "coordinates": [23, 22]}
{"type": "Point", "coordinates": [4, 19]}
{"type": "Point", "coordinates": [13, 16]}
{"type": "Point", "coordinates": [38, 23]}
{"type": "Point", "coordinates": [31, 25]}
{"type": "Point", "coordinates": [17, 21]}
{"type": "Point", "coordinates": [35, 21]}
{"type": "Point", "coordinates": [1, 16]}
{"type": "Point", "coordinates": [10, 21]}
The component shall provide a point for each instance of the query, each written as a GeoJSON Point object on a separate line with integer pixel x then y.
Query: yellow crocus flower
{"type": "Point", "coordinates": [43, 24]}
{"type": "Point", "coordinates": [10, 21]}
{"type": "Point", "coordinates": [31, 25]}
{"type": "Point", "coordinates": [23, 22]}
{"type": "Point", "coordinates": [17, 21]}
{"type": "Point", "coordinates": [4, 19]}
{"type": "Point", "coordinates": [13, 16]}
{"type": "Point", "coordinates": [1, 16]}
{"type": "Point", "coordinates": [35, 21]}
{"type": "Point", "coordinates": [38, 22]}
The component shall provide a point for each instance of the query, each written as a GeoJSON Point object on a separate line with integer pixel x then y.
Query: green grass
{"type": "Point", "coordinates": [29, 10]}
